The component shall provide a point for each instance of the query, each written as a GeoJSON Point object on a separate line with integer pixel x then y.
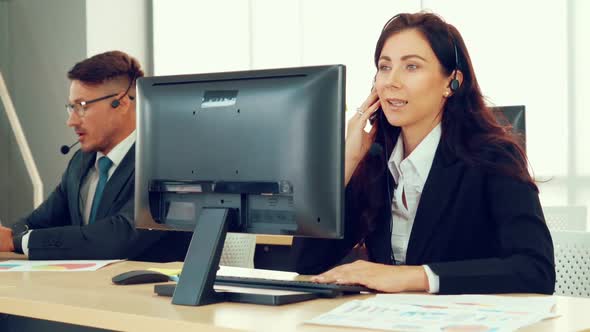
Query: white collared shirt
{"type": "Point", "coordinates": [90, 182]}
{"type": "Point", "coordinates": [410, 175]}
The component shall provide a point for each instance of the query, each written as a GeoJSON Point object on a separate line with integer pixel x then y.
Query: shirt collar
{"type": "Point", "coordinates": [117, 154]}
{"type": "Point", "coordinates": [421, 158]}
{"type": "Point", "coordinates": [396, 158]}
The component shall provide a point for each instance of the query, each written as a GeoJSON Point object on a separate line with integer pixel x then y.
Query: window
{"type": "Point", "coordinates": [524, 53]}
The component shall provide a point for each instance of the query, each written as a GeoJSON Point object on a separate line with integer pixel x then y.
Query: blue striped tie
{"type": "Point", "coordinates": [104, 164]}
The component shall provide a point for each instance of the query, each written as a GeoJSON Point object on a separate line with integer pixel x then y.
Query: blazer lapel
{"type": "Point", "coordinates": [87, 161]}
{"type": "Point", "coordinates": [116, 183]}
{"type": "Point", "coordinates": [440, 185]}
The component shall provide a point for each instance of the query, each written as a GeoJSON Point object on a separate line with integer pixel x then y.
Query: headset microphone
{"type": "Point", "coordinates": [115, 103]}
{"type": "Point", "coordinates": [66, 149]}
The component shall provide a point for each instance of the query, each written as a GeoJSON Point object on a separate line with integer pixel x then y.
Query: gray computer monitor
{"type": "Point", "coordinates": [513, 116]}
{"type": "Point", "coordinates": [263, 150]}
{"type": "Point", "coordinates": [267, 142]}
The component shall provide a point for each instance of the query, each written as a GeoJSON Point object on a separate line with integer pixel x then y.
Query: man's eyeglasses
{"type": "Point", "coordinates": [80, 107]}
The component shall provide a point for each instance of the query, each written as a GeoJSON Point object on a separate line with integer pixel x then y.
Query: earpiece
{"type": "Point", "coordinates": [115, 103]}
{"type": "Point", "coordinates": [455, 82]}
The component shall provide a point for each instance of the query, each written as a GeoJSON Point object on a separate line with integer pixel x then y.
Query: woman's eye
{"type": "Point", "coordinates": [411, 67]}
{"type": "Point", "coordinates": [384, 67]}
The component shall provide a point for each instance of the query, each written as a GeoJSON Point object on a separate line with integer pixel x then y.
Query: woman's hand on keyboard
{"type": "Point", "coordinates": [380, 277]}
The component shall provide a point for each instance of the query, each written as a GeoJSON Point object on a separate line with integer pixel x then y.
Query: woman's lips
{"type": "Point", "coordinates": [396, 103]}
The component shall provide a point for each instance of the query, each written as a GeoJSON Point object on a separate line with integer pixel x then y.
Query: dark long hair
{"type": "Point", "coordinates": [469, 129]}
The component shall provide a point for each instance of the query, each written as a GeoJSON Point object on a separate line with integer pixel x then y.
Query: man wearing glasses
{"type": "Point", "coordinates": [89, 215]}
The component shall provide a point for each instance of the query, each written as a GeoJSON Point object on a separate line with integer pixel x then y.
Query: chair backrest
{"type": "Point", "coordinates": [515, 117]}
{"type": "Point", "coordinates": [238, 250]}
{"type": "Point", "coordinates": [565, 218]}
{"type": "Point", "coordinates": [572, 263]}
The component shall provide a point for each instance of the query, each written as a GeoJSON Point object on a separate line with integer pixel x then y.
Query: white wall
{"type": "Point", "coordinates": [205, 36]}
{"type": "Point", "coordinates": [581, 82]}
{"type": "Point", "coordinates": [40, 41]}
{"type": "Point", "coordinates": [517, 65]}
{"type": "Point", "coordinates": [197, 36]}
{"type": "Point", "coordinates": [119, 25]}
{"type": "Point", "coordinates": [580, 71]}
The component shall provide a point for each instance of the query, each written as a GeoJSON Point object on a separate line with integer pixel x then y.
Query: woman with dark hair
{"type": "Point", "coordinates": [438, 192]}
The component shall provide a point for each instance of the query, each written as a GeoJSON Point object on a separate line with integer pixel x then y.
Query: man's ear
{"type": "Point", "coordinates": [124, 102]}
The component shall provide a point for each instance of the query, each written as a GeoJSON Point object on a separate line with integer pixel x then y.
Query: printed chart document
{"type": "Point", "coordinates": [476, 313]}
{"type": "Point", "coordinates": [54, 266]}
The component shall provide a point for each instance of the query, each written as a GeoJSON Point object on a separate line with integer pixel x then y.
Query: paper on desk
{"type": "Point", "coordinates": [542, 304]}
{"type": "Point", "coordinates": [440, 313]}
{"type": "Point", "coordinates": [168, 272]}
{"type": "Point", "coordinates": [255, 273]}
{"type": "Point", "coordinates": [54, 266]}
{"type": "Point", "coordinates": [240, 272]}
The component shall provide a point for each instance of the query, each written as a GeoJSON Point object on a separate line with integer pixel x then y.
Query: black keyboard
{"type": "Point", "coordinates": [330, 290]}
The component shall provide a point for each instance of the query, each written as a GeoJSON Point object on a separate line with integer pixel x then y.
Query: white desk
{"type": "Point", "coordinates": [89, 299]}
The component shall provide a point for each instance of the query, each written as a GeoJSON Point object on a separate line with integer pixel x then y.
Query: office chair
{"type": "Point", "coordinates": [565, 218]}
{"type": "Point", "coordinates": [514, 116]}
{"type": "Point", "coordinates": [238, 250]}
{"type": "Point", "coordinates": [572, 263]}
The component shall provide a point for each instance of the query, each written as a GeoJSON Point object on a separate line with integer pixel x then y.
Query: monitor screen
{"type": "Point", "coordinates": [512, 116]}
{"type": "Point", "coordinates": [268, 143]}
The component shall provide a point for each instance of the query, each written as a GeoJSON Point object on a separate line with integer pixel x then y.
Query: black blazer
{"type": "Point", "coordinates": [479, 232]}
{"type": "Point", "coordinates": [59, 230]}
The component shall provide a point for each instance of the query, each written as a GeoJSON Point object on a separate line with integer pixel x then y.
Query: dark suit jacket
{"type": "Point", "coordinates": [479, 232]}
{"type": "Point", "coordinates": [59, 230]}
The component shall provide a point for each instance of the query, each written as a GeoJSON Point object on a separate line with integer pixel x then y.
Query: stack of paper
{"type": "Point", "coordinates": [477, 313]}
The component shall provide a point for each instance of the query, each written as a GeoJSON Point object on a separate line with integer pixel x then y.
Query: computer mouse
{"type": "Point", "coordinates": [139, 277]}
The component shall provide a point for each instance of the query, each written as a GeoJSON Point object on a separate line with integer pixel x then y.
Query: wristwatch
{"type": "Point", "coordinates": [18, 231]}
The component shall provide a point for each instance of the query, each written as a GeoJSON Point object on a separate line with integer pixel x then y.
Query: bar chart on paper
{"type": "Point", "coordinates": [54, 266]}
{"type": "Point", "coordinates": [428, 313]}
{"type": "Point", "coordinates": [7, 267]}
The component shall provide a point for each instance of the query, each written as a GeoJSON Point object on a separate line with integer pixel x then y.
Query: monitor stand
{"type": "Point", "coordinates": [195, 285]}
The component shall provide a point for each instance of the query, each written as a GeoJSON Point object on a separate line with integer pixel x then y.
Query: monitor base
{"type": "Point", "coordinates": [264, 299]}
